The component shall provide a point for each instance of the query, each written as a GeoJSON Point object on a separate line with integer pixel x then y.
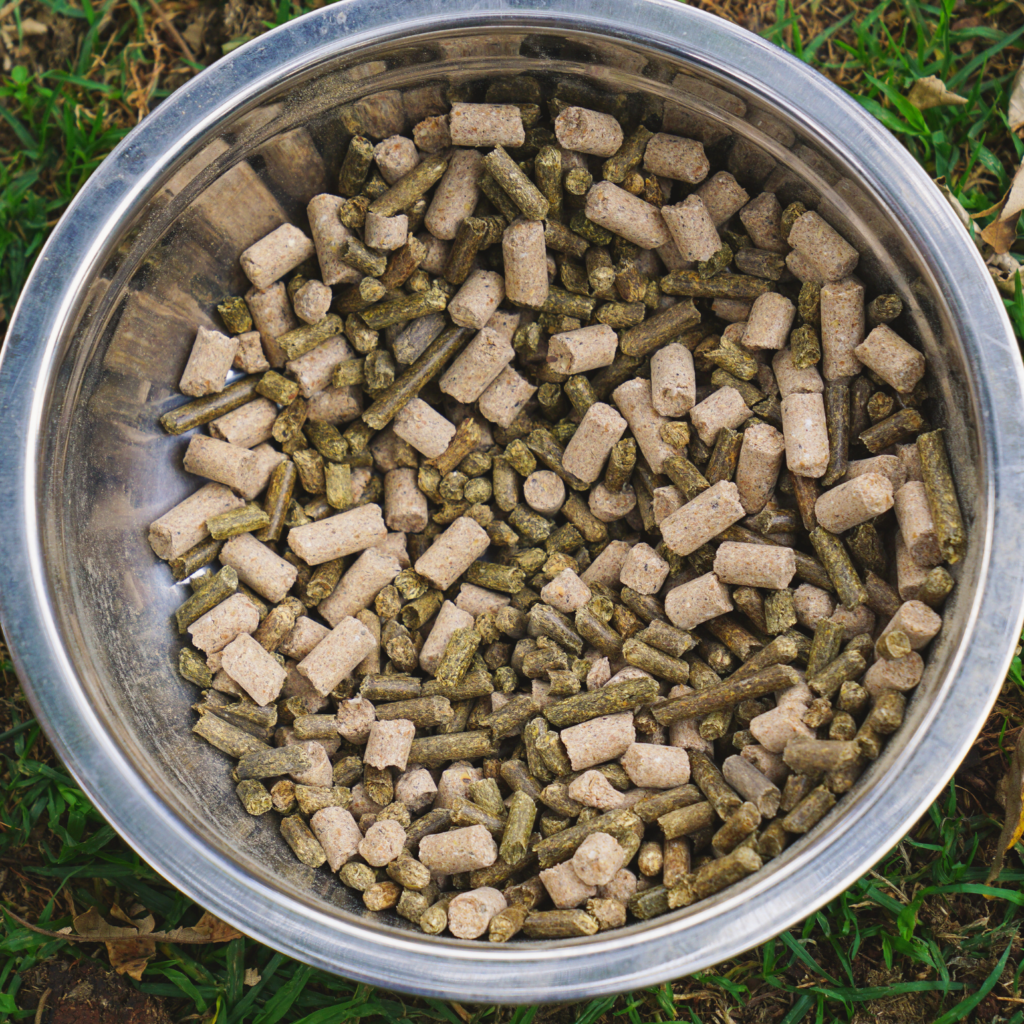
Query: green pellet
{"type": "Point", "coordinates": [304, 844]}
{"type": "Point", "coordinates": [559, 924]}
{"type": "Point", "coordinates": [355, 166]}
{"type": "Point", "coordinates": [254, 797]}
{"type": "Point", "coordinates": [195, 558]}
{"type": "Point", "coordinates": [277, 388]}
{"type": "Point", "coordinates": [628, 157]}
{"type": "Point", "coordinates": [608, 700]}
{"type": "Point", "coordinates": [901, 426]}
{"type": "Point", "coordinates": [937, 586]}
{"type": "Point", "coordinates": [468, 242]}
{"type": "Point", "coordinates": [725, 456]}
{"type": "Point", "coordinates": [867, 548]}
{"type": "Point", "coordinates": [806, 347]}
{"type": "Point", "coordinates": [413, 184]}
{"type": "Point", "coordinates": [941, 492]}
{"type": "Point", "coordinates": [234, 741]}
{"type": "Point", "coordinates": [547, 169]}
{"type": "Point", "coordinates": [657, 663]}
{"type": "Point", "coordinates": [837, 419]}
{"type": "Point", "coordinates": [840, 569]}
{"type": "Point", "coordinates": [687, 478]}
{"type": "Point", "coordinates": [236, 521]}
{"type": "Point", "coordinates": [809, 811]}
{"type": "Point", "coordinates": [219, 588]}
{"type": "Point", "coordinates": [557, 848]}
{"type": "Point", "coordinates": [827, 681]}
{"type": "Point", "coordinates": [883, 309]}
{"type": "Point", "coordinates": [721, 286]}
{"type": "Point", "coordinates": [433, 751]}
{"type": "Point", "coordinates": [779, 611]}
{"type": "Point", "coordinates": [301, 340]}
{"type": "Point", "coordinates": [658, 330]}
{"type": "Point", "coordinates": [503, 578]}
{"type": "Point", "coordinates": [526, 196]}
{"type": "Point", "coordinates": [726, 694]}
{"type": "Point", "coordinates": [192, 666]}
{"type": "Point", "coordinates": [203, 410]}
{"type": "Point", "coordinates": [825, 647]}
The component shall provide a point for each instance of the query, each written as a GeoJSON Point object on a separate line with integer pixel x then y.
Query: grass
{"type": "Point", "coordinates": [919, 938]}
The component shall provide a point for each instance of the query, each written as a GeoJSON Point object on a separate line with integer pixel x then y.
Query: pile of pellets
{"type": "Point", "coordinates": [579, 525]}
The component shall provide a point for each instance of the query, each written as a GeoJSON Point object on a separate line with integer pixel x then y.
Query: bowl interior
{"type": "Point", "coordinates": [108, 469]}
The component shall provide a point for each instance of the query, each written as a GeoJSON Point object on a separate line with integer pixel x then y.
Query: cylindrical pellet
{"type": "Point", "coordinates": [456, 195]}
{"type": "Point", "coordinates": [842, 328]}
{"type": "Point", "coordinates": [692, 229]}
{"type": "Point", "coordinates": [759, 463]}
{"type": "Point", "coordinates": [628, 216]}
{"type": "Point", "coordinates": [816, 239]}
{"type": "Point", "coordinates": [588, 131]}
{"type": "Point", "coordinates": [806, 434]}
{"type": "Point", "coordinates": [771, 318]}
{"type": "Point", "coordinates": [453, 552]}
{"type": "Point", "coordinates": [703, 518]}
{"type": "Point", "coordinates": [673, 385]}
{"type": "Point", "coordinates": [917, 527]}
{"type": "Point", "coordinates": [587, 451]}
{"type": "Point", "coordinates": [475, 302]}
{"type": "Point", "coordinates": [525, 262]}
{"type": "Point", "coordinates": [843, 507]}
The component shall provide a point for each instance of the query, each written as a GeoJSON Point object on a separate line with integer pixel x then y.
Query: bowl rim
{"type": "Point", "coordinates": [409, 963]}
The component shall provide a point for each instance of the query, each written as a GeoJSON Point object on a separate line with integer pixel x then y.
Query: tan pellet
{"type": "Point", "coordinates": [525, 262]}
{"type": "Point", "coordinates": [249, 357]}
{"type": "Point", "coordinates": [454, 784]}
{"type": "Point", "coordinates": [335, 405]}
{"type": "Point", "coordinates": [329, 234]}
{"type": "Point", "coordinates": [664, 502]}
{"type": "Point", "coordinates": [854, 502]}
{"type": "Point", "coordinates": [246, 426]}
{"type": "Point", "coordinates": [475, 368]}
{"type": "Point", "coordinates": [910, 574]}
{"type": "Point", "coordinates": [842, 328]}
{"type": "Point", "coordinates": [588, 131]}
{"type": "Point", "coordinates": [341, 534]}
{"type": "Point", "coordinates": [722, 408]}
{"type": "Point", "coordinates": [478, 600]}
{"type": "Point", "coordinates": [599, 740]}
{"type": "Point", "coordinates": [803, 426]}
{"type": "Point", "coordinates": [855, 622]}
{"type": "Point", "coordinates": [582, 350]}
{"type": "Point", "coordinates": [705, 517]}
{"type": "Point", "coordinates": [456, 195]}
{"type": "Point", "coordinates": [812, 604]}
{"type": "Point", "coordinates": [755, 565]}
{"type": "Point", "coordinates": [319, 773]}
{"type": "Point", "coordinates": [898, 363]}
{"type": "Point", "coordinates": [607, 566]}
{"type": "Point", "coordinates": [566, 592]}
{"type": "Point", "coordinates": [453, 552]}
{"type": "Point", "coordinates": [890, 466]}
{"type": "Point", "coordinates": [259, 567]}
{"type": "Point", "coordinates": [355, 716]}
{"type": "Point", "coordinates": [475, 302]}
{"type": "Point", "coordinates": [588, 449]}
{"type": "Point", "coordinates": [395, 157]}
{"type": "Point", "coordinates": [762, 217]}
{"type": "Point", "coordinates": [544, 492]}
{"type": "Point", "coordinates": [184, 526]}
{"type": "Point", "coordinates": [673, 384]}
{"type": "Point", "coordinates": [610, 507]}
{"type": "Point", "coordinates": [692, 229]}
{"type": "Point", "coordinates": [371, 572]}
{"type": "Point", "coordinates": [899, 674]}
{"type": "Point", "coordinates": [775, 728]}
{"type": "Point", "coordinates": [383, 842]}
{"type": "Point", "coordinates": [592, 789]}
{"type": "Point", "coordinates": [388, 744]}
{"type": "Point", "coordinates": [506, 398]}
{"type": "Point", "coordinates": [802, 268]}
{"type": "Point", "coordinates": [448, 620]}
{"type": "Point", "coordinates": [312, 301]}
{"type": "Point", "coordinates": [213, 631]}
{"type": "Point", "coordinates": [916, 524]}
{"type": "Point", "coordinates": [626, 215]}
{"type": "Point", "coordinates": [669, 156]}
{"type": "Point", "coordinates": [910, 460]}
{"type": "Point", "coordinates": [208, 363]}
{"type": "Point", "coordinates": [470, 913]}
{"type": "Point", "coordinates": [222, 462]}
{"type": "Point", "coordinates": [644, 570]}
{"type": "Point", "coordinates": [597, 859]}
{"type": "Point", "coordinates": [424, 428]}
{"type": "Point", "coordinates": [723, 195]}
{"type": "Point", "coordinates": [758, 467]}
{"type": "Point", "coordinates": [482, 125]}
{"type": "Point", "coordinates": [565, 887]}
{"type": "Point", "coordinates": [334, 658]}
{"type": "Point", "coordinates": [634, 401]}
{"type": "Point", "coordinates": [771, 318]}
{"type": "Point", "coordinates": [275, 255]}
{"type": "Point", "coordinates": [656, 767]}
{"type": "Point", "coordinates": [272, 316]}
{"type": "Point", "coordinates": [386, 233]}
{"type": "Point", "coordinates": [917, 620]}
{"type": "Point", "coordinates": [431, 135]}
{"type": "Point", "coordinates": [416, 789]}
{"type": "Point", "coordinates": [337, 832]}
{"type": "Point", "coordinates": [794, 381]}
{"type": "Point", "coordinates": [621, 887]}
{"type": "Point", "coordinates": [461, 849]}
{"type": "Point", "coordinates": [824, 246]}
{"type": "Point", "coordinates": [405, 505]}
{"type": "Point", "coordinates": [698, 601]}
{"type": "Point", "coordinates": [255, 671]}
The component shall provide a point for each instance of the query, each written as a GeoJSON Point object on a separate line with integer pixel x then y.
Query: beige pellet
{"type": "Point", "coordinates": [259, 567]}
{"type": "Point", "coordinates": [916, 524]}
{"type": "Point", "coordinates": [269, 459]}
{"type": "Point", "coordinates": [222, 462]}
{"type": "Point", "coordinates": [644, 570]}
{"type": "Point", "coordinates": [335, 405]}
{"type": "Point", "coordinates": [733, 311]}
{"type": "Point", "coordinates": [213, 631]}
{"type": "Point", "coordinates": [456, 195]}
{"type": "Point", "coordinates": [588, 449]}
{"type": "Point", "coordinates": [334, 658]}
{"type": "Point", "coordinates": [672, 258]}
{"type": "Point", "coordinates": [621, 887]}
{"type": "Point", "coordinates": [588, 131]}
{"type": "Point", "coordinates": [592, 789]}
{"type": "Point", "coordinates": [437, 251]}
{"type": "Point", "coordinates": [312, 301]}
{"type": "Point", "coordinates": [794, 381]}
{"type": "Point", "coordinates": [656, 767]}
{"type": "Point", "coordinates": [855, 622]}
{"type": "Point", "coordinates": [247, 426]}
{"type": "Point", "coordinates": [424, 428]}
{"type": "Point", "coordinates": [824, 246]}
{"type": "Point", "coordinates": [395, 157]}
{"type": "Point", "coordinates": [208, 363]}
{"type": "Point", "coordinates": [582, 350]}
{"type": "Point", "coordinates": [184, 526]}
{"type": "Point", "coordinates": [453, 552]}
{"type": "Point", "coordinates": [608, 506]}
{"type": "Point", "coordinates": [626, 215]}
{"type": "Point", "coordinates": [272, 315]}
{"type": "Point", "coordinates": [341, 534]}
{"type": "Point", "coordinates": [448, 620]}
{"type": "Point", "coordinates": [255, 671]}
{"type": "Point", "coordinates": [842, 327]}
{"type": "Point", "coordinates": [431, 135]}
{"type": "Point", "coordinates": [910, 460]}
{"type": "Point", "coordinates": [385, 233]}
{"type": "Point", "coordinates": [634, 401]}
{"type": "Point", "coordinates": [599, 673]}
{"type": "Point", "coordinates": [454, 784]}
{"type": "Point", "coordinates": [608, 914]}
{"type": "Point", "coordinates": [890, 466]}
{"type": "Point", "coordinates": [544, 492]}
{"type": "Point", "coordinates": [910, 574]}
{"type": "Point", "coordinates": [482, 125]}
{"type": "Point", "coordinates": [755, 565]}
{"type": "Point", "coordinates": [917, 620]}
{"type": "Point", "coordinates": [274, 255]}
{"type": "Point", "coordinates": [801, 267]}
{"type": "Point", "coordinates": [692, 229]}
{"type": "Point", "coordinates": [854, 502]}
{"type": "Point", "coordinates": [757, 469]}
{"type": "Point", "coordinates": [565, 887]}
{"type": "Point", "coordinates": [566, 592]}
{"type": "Point", "coordinates": [371, 572]}
{"type": "Point", "coordinates": [475, 302]}
{"type": "Point", "coordinates": [606, 567]}
{"type": "Point", "coordinates": [405, 505]}
{"type": "Point", "coordinates": [416, 788]}
{"type": "Point", "coordinates": [599, 740]}
{"type": "Point", "coordinates": [470, 913]}
{"type": "Point", "coordinates": [724, 407]}
{"type": "Point", "coordinates": [812, 604]}
{"type": "Point", "coordinates": [723, 195]}
{"type": "Point", "coordinates": [673, 384]}
{"type": "Point", "coordinates": [597, 859]}
{"type": "Point", "coordinates": [899, 674]}
{"type": "Point", "coordinates": [389, 743]}
{"type": "Point", "coordinates": [337, 832]}
{"type": "Point", "coordinates": [762, 217]}
{"type": "Point", "coordinates": [249, 357]}
{"type": "Point", "coordinates": [771, 318]}
{"type": "Point", "coordinates": [383, 842]}
{"type": "Point", "coordinates": [329, 234]}
{"type": "Point", "coordinates": [664, 502]}
{"type": "Point", "coordinates": [474, 369]}
{"type": "Point", "coordinates": [506, 398]}
{"type": "Point", "coordinates": [355, 716]}
{"type": "Point", "coordinates": [319, 772]}
{"type": "Point", "coordinates": [703, 518]}
{"type": "Point", "coordinates": [898, 363]}
{"type": "Point", "coordinates": [698, 601]}
{"type": "Point", "coordinates": [461, 849]}
{"type": "Point", "coordinates": [525, 261]}
{"type": "Point", "coordinates": [362, 804]}
{"type": "Point", "coordinates": [669, 156]}
{"type": "Point", "coordinates": [775, 728]}
{"type": "Point", "coordinates": [478, 600]}
{"type": "Point", "coordinates": [803, 426]}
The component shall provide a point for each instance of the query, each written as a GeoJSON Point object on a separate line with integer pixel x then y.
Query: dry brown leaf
{"type": "Point", "coordinates": [131, 957]}
{"type": "Point", "coordinates": [208, 927]}
{"type": "Point", "coordinates": [1002, 232]}
{"type": "Point", "coordinates": [1015, 109]}
{"type": "Point", "coordinates": [961, 214]}
{"type": "Point", "coordinates": [930, 92]}
{"type": "Point", "coordinates": [252, 977]}
{"type": "Point", "coordinates": [92, 925]}
{"type": "Point", "coordinates": [1013, 827]}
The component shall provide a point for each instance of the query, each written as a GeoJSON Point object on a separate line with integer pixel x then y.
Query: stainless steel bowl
{"type": "Point", "coordinates": [151, 243]}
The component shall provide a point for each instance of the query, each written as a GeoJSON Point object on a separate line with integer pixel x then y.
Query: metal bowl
{"type": "Point", "coordinates": [151, 243]}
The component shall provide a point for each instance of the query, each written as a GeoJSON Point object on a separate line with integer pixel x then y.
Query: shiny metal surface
{"type": "Point", "coordinates": [151, 244]}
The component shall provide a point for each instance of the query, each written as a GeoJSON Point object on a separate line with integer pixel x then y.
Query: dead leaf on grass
{"type": "Point", "coordinates": [1002, 232]}
{"type": "Point", "coordinates": [1013, 827]}
{"type": "Point", "coordinates": [208, 928]}
{"type": "Point", "coordinates": [129, 951]}
{"type": "Point", "coordinates": [1015, 109]}
{"type": "Point", "coordinates": [930, 92]}
{"type": "Point", "coordinates": [252, 977]}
